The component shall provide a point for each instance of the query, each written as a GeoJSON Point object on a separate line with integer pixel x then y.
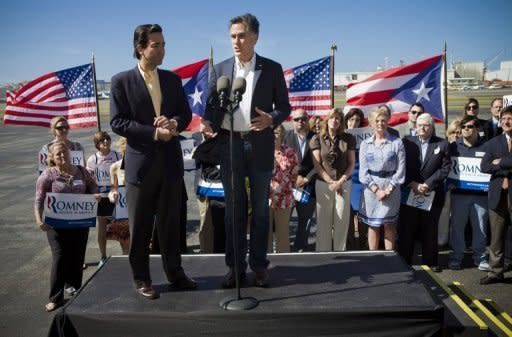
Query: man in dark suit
{"type": "Point", "coordinates": [298, 139]}
{"type": "Point", "coordinates": [264, 105]}
{"type": "Point", "coordinates": [148, 107]}
{"type": "Point", "coordinates": [497, 161]}
{"type": "Point", "coordinates": [427, 166]}
{"type": "Point", "coordinates": [493, 123]}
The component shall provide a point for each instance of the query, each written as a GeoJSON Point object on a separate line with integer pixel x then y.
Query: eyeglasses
{"type": "Point", "coordinates": [63, 127]}
{"type": "Point", "coordinates": [104, 139]}
{"type": "Point", "coordinates": [468, 126]}
{"type": "Point", "coordinates": [472, 107]}
{"type": "Point", "coordinates": [414, 112]}
{"type": "Point", "coordinates": [300, 119]}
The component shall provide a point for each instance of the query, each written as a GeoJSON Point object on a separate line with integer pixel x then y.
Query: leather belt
{"type": "Point", "coordinates": [237, 134]}
{"type": "Point", "coordinates": [381, 174]}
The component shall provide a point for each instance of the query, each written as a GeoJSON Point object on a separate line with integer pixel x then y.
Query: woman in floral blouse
{"type": "Point", "coordinates": [286, 167]}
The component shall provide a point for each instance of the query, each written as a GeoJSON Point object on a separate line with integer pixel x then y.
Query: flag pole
{"type": "Point", "coordinates": [445, 88]}
{"type": "Point", "coordinates": [334, 48]}
{"type": "Point", "coordinates": [96, 92]}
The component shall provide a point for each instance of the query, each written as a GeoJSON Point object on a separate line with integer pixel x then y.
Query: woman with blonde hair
{"type": "Point", "coordinates": [59, 128]}
{"type": "Point", "coordinates": [67, 244]}
{"type": "Point", "coordinates": [381, 171]}
{"type": "Point", "coordinates": [333, 153]}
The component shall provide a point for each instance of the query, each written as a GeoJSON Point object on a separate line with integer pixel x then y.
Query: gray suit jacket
{"type": "Point", "coordinates": [270, 95]}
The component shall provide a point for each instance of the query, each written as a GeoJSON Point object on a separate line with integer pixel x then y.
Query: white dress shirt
{"type": "Point", "coordinates": [242, 115]}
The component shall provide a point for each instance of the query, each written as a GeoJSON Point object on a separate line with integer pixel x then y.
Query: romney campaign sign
{"type": "Point", "coordinates": [68, 210]}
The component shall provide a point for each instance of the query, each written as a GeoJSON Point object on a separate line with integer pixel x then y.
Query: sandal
{"type": "Point", "coordinates": [51, 306]}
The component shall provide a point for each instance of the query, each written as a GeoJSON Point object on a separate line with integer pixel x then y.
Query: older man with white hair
{"type": "Point", "coordinates": [427, 166]}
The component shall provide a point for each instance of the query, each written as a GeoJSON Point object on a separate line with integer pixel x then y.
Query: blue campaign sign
{"type": "Point", "coordinates": [465, 174]}
{"type": "Point", "coordinates": [68, 210]}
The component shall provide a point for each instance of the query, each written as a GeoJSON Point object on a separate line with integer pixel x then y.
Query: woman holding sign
{"type": "Point", "coordinates": [98, 166]}
{"type": "Point", "coordinates": [59, 128]}
{"type": "Point", "coordinates": [381, 171]}
{"type": "Point", "coordinates": [67, 244]}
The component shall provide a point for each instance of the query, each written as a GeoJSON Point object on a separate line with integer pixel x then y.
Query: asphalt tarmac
{"type": "Point", "coordinates": [26, 256]}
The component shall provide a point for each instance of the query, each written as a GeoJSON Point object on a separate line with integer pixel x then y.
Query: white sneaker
{"type": "Point", "coordinates": [484, 266]}
{"type": "Point", "coordinates": [71, 291]}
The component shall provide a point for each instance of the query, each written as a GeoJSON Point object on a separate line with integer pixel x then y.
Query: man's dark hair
{"type": "Point", "coordinates": [469, 118]}
{"type": "Point", "coordinates": [506, 110]}
{"type": "Point", "coordinates": [496, 99]}
{"type": "Point", "coordinates": [141, 36]}
{"type": "Point", "coordinates": [251, 23]}
{"type": "Point", "coordinates": [419, 105]}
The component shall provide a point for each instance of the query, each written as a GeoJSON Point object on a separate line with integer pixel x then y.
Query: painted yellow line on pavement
{"type": "Point", "coordinates": [484, 310]}
{"type": "Point", "coordinates": [478, 321]}
{"type": "Point", "coordinates": [501, 312]}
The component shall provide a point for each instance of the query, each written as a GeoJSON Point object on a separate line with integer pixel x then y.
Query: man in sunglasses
{"type": "Point", "coordinates": [409, 128]}
{"type": "Point", "coordinates": [298, 139]}
{"type": "Point", "coordinates": [467, 203]}
{"type": "Point", "coordinates": [497, 161]}
{"type": "Point", "coordinates": [471, 108]}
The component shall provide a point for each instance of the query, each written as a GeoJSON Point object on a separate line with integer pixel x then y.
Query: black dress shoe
{"type": "Point", "coordinates": [184, 283]}
{"type": "Point", "coordinates": [489, 280]}
{"type": "Point", "coordinates": [229, 279]}
{"type": "Point", "coordinates": [436, 269]}
{"type": "Point", "coordinates": [147, 292]}
{"type": "Point", "coordinates": [262, 279]}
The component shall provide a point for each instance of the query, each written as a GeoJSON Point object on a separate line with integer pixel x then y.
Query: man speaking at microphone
{"type": "Point", "coordinates": [263, 105]}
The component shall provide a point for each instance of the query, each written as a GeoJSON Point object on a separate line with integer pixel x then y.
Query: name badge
{"type": "Point", "coordinates": [479, 154]}
{"type": "Point", "coordinates": [78, 182]}
{"type": "Point", "coordinates": [437, 150]}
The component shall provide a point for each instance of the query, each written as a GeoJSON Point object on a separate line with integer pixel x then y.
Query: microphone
{"type": "Point", "coordinates": [222, 90]}
{"type": "Point", "coordinates": [239, 85]}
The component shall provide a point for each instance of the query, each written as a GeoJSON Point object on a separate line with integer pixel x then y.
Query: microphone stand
{"type": "Point", "coordinates": [238, 302]}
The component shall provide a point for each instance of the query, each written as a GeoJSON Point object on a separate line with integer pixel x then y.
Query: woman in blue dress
{"type": "Point", "coordinates": [381, 171]}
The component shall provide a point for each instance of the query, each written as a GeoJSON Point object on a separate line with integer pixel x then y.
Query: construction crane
{"type": "Point", "coordinates": [490, 61]}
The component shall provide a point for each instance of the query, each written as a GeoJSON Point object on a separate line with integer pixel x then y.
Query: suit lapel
{"type": "Point", "coordinates": [257, 69]}
{"type": "Point", "coordinates": [143, 88]}
{"type": "Point", "coordinates": [428, 153]}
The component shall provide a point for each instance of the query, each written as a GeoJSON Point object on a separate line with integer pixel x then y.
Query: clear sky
{"type": "Point", "coordinates": [43, 36]}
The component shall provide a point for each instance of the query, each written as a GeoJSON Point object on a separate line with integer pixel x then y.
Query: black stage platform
{"type": "Point", "coordinates": [311, 294]}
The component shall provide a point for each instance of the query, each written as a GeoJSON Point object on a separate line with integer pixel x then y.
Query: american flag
{"type": "Point", "coordinates": [309, 86]}
{"type": "Point", "coordinates": [399, 88]}
{"type": "Point", "coordinates": [194, 77]}
{"type": "Point", "coordinates": [68, 92]}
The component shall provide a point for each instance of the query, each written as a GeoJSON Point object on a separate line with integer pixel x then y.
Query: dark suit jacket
{"type": "Point", "coordinates": [306, 162]}
{"type": "Point", "coordinates": [488, 128]}
{"type": "Point", "coordinates": [270, 95]}
{"type": "Point", "coordinates": [433, 170]}
{"type": "Point", "coordinates": [496, 148]}
{"type": "Point", "coordinates": [132, 115]}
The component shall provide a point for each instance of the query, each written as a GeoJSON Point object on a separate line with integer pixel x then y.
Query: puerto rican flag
{"type": "Point", "coordinates": [400, 87]}
{"type": "Point", "coordinates": [195, 83]}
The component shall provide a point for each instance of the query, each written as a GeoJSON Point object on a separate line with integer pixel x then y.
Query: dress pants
{"type": "Point", "coordinates": [157, 200]}
{"type": "Point", "coordinates": [414, 221]}
{"type": "Point", "coordinates": [333, 217]}
{"type": "Point", "coordinates": [499, 220]}
{"type": "Point", "coordinates": [305, 212]}
{"type": "Point", "coordinates": [68, 253]}
{"type": "Point", "coordinates": [205, 225]}
{"type": "Point", "coordinates": [280, 225]}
